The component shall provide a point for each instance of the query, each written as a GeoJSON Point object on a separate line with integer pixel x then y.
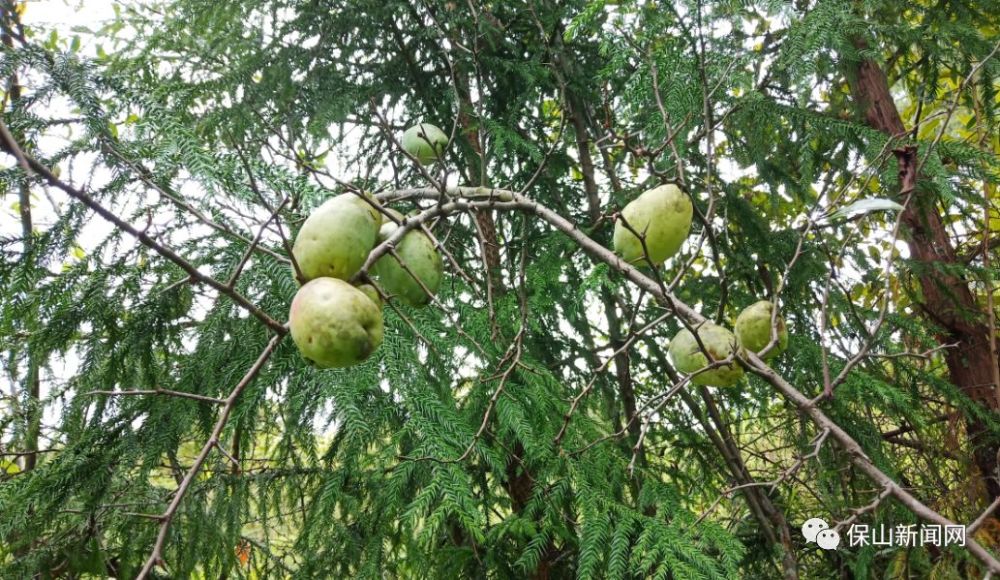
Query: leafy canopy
{"type": "Point", "coordinates": [528, 422]}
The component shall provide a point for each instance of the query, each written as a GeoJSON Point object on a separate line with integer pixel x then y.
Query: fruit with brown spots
{"type": "Point", "coordinates": [334, 324]}
{"type": "Point", "coordinates": [337, 237]}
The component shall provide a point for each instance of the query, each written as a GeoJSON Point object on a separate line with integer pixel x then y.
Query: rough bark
{"type": "Point", "coordinates": [947, 299]}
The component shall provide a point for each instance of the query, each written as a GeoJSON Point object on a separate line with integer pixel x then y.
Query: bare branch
{"type": "Point", "coordinates": [11, 146]}
{"type": "Point", "coordinates": [167, 392]}
{"type": "Point", "coordinates": [156, 557]}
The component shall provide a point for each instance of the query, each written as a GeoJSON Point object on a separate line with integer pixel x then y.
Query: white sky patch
{"type": "Point", "coordinates": [72, 21]}
{"type": "Point", "coordinates": [64, 15]}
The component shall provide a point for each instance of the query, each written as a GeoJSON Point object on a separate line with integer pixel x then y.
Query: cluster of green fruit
{"type": "Point", "coordinates": [334, 323]}
{"type": "Point", "coordinates": [651, 229]}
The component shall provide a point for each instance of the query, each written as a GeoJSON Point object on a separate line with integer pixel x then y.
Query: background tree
{"type": "Point", "coordinates": [528, 423]}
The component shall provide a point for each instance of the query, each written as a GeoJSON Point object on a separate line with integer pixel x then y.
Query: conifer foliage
{"type": "Point", "coordinates": [836, 159]}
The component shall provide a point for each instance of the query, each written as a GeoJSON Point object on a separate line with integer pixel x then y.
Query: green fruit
{"type": "Point", "coordinates": [371, 293]}
{"type": "Point", "coordinates": [418, 252]}
{"type": "Point", "coordinates": [663, 216]}
{"type": "Point", "coordinates": [336, 237]}
{"type": "Point", "coordinates": [391, 216]}
{"type": "Point", "coordinates": [688, 357]}
{"type": "Point", "coordinates": [425, 142]}
{"type": "Point", "coordinates": [753, 329]}
{"type": "Point", "coordinates": [334, 324]}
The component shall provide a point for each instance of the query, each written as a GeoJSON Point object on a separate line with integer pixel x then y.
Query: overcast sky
{"type": "Point", "coordinates": [68, 13]}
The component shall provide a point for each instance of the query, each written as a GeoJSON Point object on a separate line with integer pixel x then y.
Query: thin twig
{"type": "Point", "coordinates": [156, 557]}
{"type": "Point", "coordinates": [971, 528]}
{"type": "Point", "coordinates": [167, 392]}
{"type": "Point", "coordinates": [12, 146]}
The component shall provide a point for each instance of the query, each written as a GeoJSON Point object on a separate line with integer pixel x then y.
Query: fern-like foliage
{"type": "Point", "coordinates": [526, 424]}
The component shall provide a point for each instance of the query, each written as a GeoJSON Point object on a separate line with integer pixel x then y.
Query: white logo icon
{"type": "Point", "coordinates": [828, 539]}
{"type": "Point", "coordinates": [814, 526]}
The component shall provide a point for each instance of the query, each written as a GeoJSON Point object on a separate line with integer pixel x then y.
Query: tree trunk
{"type": "Point", "coordinates": [779, 534]}
{"type": "Point", "coordinates": [9, 23]}
{"type": "Point", "coordinates": [947, 299]}
{"type": "Point", "coordinates": [519, 479]}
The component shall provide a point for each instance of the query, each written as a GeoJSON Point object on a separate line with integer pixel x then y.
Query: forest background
{"type": "Point", "coordinates": [161, 155]}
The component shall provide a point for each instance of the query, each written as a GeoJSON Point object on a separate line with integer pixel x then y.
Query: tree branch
{"type": "Point", "coordinates": [156, 557]}
{"type": "Point", "coordinates": [13, 148]}
{"type": "Point", "coordinates": [506, 199]}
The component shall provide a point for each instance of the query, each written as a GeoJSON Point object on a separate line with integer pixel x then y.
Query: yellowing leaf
{"type": "Point", "coordinates": [868, 205]}
{"type": "Point", "coordinates": [243, 552]}
{"type": "Point", "coordinates": [79, 253]}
